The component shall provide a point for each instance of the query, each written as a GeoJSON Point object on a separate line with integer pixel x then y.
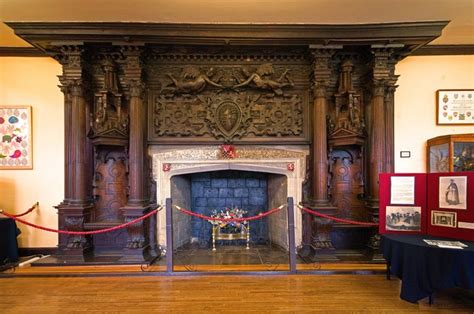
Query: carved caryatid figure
{"type": "Point", "coordinates": [192, 81]}
{"type": "Point", "coordinates": [260, 79]}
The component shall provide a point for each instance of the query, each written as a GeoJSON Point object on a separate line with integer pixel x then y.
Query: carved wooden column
{"type": "Point", "coordinates": [138, 242]}
{"type": "Point", "coordinates": [389, 125]}
{"type": "Point", "coordinates": [74, 211]}
{"type": "Point", "coordinates": [377, 161]}
{"type": "Point", "coordinates": [320, 240]}
{"type": "Point", "coordinates": [390, 115]}
{"type": "Point", "coordinates": [381, 128]}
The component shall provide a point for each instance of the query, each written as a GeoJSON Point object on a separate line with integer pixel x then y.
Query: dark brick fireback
{"type": "Point", "coordinates": [220, 189]}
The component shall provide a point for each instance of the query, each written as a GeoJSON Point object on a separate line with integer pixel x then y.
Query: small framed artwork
{"type": "Point", "coordinates": [455, 106]}
{"type": "Point", "coordinates": [401, 218]}
{"type": "Point", "coordinates": [452, 192]}
{"type": "Point", "coordinates": [15, 137]}
{"type": "Point", "coordinates": [443, 219]}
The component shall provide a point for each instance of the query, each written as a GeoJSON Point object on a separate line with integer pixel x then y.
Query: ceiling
{"type": "Point", "coordinates": [460, 31]}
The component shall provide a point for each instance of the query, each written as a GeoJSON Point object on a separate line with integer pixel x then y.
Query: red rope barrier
{"type": "Point", "coordinates": [353, 222]}
{"type": "Point", "coordinates": [84, 232]}
{"type": "Point", "coordinates": [29, 210]}
{"type": "Point", "coordinates": [271, 211]}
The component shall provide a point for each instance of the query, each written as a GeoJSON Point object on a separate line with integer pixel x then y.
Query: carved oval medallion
{"type": "Point", "coordinates": [228, 116]}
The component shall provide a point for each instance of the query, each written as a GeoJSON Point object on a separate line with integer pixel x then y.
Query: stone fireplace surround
{"type": "Point", "coordinates": [284, 162]}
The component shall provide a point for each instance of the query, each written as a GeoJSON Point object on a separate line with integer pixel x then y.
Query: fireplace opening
{"type": "Point", "coordinates": [207, 192]}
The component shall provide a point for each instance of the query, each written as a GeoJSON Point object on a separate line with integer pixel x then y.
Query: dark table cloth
{"type": "Point", "coordinates": [8, 243]}
{"type": "Point", "coordinates": [424, 268]}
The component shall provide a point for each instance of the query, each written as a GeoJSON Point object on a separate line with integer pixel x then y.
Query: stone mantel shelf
{"type": "Point", "coordinates": [44, 35]}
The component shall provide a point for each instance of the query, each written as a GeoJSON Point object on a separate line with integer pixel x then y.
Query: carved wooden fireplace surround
{"type": "Point", "coordinates": [131, 88]}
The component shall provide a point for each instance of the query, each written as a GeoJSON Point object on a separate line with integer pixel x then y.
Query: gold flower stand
{"type": "Point", "coordinates": [243, 234]}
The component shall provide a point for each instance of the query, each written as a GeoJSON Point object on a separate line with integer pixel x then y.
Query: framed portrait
{"type": "Point", "coordinates": [15, 137]}
{"type": "Point", "coordinates": [455, 106]}
{"type": "Point", "coordinates": [402, 218]}
{"type": "Point", "coordinates": [444, 219]}
{"type": "Point", "coordinates": [452, 192]}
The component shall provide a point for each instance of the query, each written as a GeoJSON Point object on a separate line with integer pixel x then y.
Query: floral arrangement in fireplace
{"type": "Point", "coordinates": [229, 213]}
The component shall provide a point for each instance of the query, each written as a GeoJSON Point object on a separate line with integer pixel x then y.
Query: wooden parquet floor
{"type": "Point", "coordinates": [207, 293]}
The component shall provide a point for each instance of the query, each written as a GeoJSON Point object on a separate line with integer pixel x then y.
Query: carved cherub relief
{"type": "Point", "coordinates": [260, 79]}
{"type": "Point", "coordinates": [192, 81]}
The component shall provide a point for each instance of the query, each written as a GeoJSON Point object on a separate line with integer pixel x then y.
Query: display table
{"type": "Point", "coordinates": [425, 269]}
{"type": "Point", "coordinates": [8, 243]}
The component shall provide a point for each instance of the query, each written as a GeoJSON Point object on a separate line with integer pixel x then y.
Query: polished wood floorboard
{"type": "Point", "coordinates": [216, 293]}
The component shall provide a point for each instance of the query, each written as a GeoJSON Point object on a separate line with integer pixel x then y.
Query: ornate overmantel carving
{"type": "Point", "coordinates": [234, 98]}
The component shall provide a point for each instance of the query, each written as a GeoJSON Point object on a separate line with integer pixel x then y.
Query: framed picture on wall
{"type": "Point", "coordinates": [15, 137]}
{"type": "Point", "coordinates": [455, 106]}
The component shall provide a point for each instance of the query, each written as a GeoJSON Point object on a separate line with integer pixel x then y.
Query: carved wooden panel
{"type": "Point", "coordinates": [110, 187]}
{"type": "Point", "coordinates": [230, 116]}
{"type": "Point", "coordinates": [243, 96]}
{"type": "Point", "coordinates": [347, 182]}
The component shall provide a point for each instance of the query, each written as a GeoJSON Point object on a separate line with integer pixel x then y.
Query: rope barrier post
{"type": "Point", "coordinates": [169, 235]}
{"type": "Point", "coordinates": [291, 235]}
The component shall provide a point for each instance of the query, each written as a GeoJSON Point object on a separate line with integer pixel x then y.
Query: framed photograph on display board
{"type": "Point", "coordinates": [443, 219]}
{"type": "Point", "coordinates": [15, 137]}
{"type": "Point", "coordinates": [455, 106]}
{"type": "Point", "coordinates": [403, 218]}
{"type": "Point", "coordinates": [452, 192]}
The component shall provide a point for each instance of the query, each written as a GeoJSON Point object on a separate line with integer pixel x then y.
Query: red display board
{"type": "Point", "coordinates": [445, 202]}
{"type": "Point", "coordinates": [386, 203]}
{"type": "Point", "coordinates": [451, 205]}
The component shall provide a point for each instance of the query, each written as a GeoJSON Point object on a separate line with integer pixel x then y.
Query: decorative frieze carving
{"type": "Point", "coordinates": [228, 116]}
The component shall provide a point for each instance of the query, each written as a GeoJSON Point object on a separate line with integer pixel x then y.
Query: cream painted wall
{"type": "Point", "coordinates": [33, 81]}
{"type": "Point", "coordinates": [415, 109]}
